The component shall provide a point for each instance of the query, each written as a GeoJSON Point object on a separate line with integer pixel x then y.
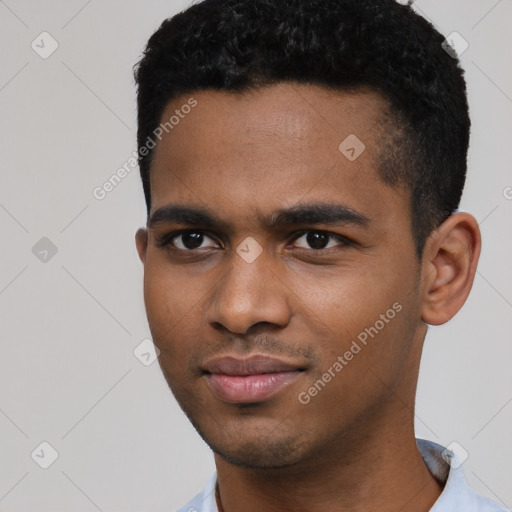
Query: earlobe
{"type": "Point", "coordinates": [141, 242]}
{"type": "Point", "coordinates": [449, 266]}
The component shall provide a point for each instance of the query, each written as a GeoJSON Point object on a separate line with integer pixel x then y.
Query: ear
{"type": "Point", "coordinates": [449, 265]}
{"type": "Point", "coordinates": [141, 242]}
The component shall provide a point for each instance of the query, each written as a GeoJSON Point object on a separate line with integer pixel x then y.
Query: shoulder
{"type": "Point", "coordinates": [205, 500]}
{"type": "Point", "coordinates": [477, 503]}
{"type": "Point", "coordinates": [483, 504]}
{"type": "Point", "coordinates": [457, 496]}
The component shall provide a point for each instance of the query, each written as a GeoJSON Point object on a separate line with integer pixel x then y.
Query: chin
{"type": "Point", "coordinates": [256, 456]}
{"type": "Point", "coordinates": [255, 449]}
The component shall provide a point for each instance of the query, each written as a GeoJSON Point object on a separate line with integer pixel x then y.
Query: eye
{"type": "Point", "coordinates": [187, 240]}
{"type": "Point", "coordinates": [318, 240]}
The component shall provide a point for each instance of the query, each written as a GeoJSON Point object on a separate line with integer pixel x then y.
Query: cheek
{"type": "Point", "coordinates": [172, 308]}
{"type": "Point", "coordinates": [368, 317]}
{"type": "Point", "coordinates": [169, 302]}
{"type": "Point", "coordinates": [359, 365]}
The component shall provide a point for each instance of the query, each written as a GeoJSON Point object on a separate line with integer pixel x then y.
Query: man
{"type": "Point", "coordinates": [302, 163]}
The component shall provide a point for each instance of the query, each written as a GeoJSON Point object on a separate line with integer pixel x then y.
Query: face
{"type": "Point", "coordinates": [280, 271]}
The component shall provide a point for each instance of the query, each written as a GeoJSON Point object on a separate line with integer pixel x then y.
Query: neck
{"type": "Point", "coordinates": [375, 466]}
{"type": "Point", "coordinates": [386, 474]}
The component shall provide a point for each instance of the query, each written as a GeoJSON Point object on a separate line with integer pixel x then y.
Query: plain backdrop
{"type": "Point", "coordinates": [71, 306]}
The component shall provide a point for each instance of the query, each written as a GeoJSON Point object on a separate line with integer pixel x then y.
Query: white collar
{"type": "Point", "coordinates": [444, 465]}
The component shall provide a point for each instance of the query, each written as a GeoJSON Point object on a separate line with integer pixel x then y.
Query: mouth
{"type": "Point", "coordinates": [249, 380]}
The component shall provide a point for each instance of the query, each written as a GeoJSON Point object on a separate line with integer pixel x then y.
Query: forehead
{"type": "Point", "coordinates": [285, 114]}
{"type": "Point", "coordinates": [270, 148]}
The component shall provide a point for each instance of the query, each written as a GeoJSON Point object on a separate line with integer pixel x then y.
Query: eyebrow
{"type": "Point", "coordinates": [319, 213]}
{"type": "Point", "coordinates": [188, 215]}
{"type": "Point", "coordinates": [309, 213]}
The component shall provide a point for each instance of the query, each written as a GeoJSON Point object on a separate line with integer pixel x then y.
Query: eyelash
{"type": "Point", "coordinates": [166, 240]}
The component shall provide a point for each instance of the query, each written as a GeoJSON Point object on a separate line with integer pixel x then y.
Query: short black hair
{"type": "Point", "coordinates": [345, 45]}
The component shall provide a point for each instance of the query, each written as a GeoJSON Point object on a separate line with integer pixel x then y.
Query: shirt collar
{"type": "Point", "coordinates": [443, 464]}
{"type": "Point", "coordinates": [446, 467]}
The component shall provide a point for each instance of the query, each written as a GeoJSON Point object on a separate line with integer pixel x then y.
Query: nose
{"type": "Point", "coordinates": [248, 294]}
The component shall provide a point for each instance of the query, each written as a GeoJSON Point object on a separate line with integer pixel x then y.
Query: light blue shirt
{"type": "Point", "coordinates": [444, 465]}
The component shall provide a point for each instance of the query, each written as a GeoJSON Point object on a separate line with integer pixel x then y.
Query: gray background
{"type": "Point", "coordinates": [70, 324]}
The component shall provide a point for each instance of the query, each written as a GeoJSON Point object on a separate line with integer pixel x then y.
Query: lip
{"type": "Point", "coordinates": [249, 380]}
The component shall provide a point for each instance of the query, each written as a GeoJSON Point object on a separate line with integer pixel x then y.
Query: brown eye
{"type": "Point", "coordinates": [191, 240]}
{"type": "Point", "coordinates": [318, 240]}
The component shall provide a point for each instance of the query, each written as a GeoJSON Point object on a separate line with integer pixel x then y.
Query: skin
{"type": "Point", "coordinates": [244, 156]}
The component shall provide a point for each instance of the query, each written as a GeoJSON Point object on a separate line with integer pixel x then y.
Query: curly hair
{"type": "Point", "coordinates": [344, 45]}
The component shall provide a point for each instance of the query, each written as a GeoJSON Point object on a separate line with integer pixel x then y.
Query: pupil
{"type": "Point", "coordinates": [317, 240]}
{"type": "Point", "coordinates": [192, 240]}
